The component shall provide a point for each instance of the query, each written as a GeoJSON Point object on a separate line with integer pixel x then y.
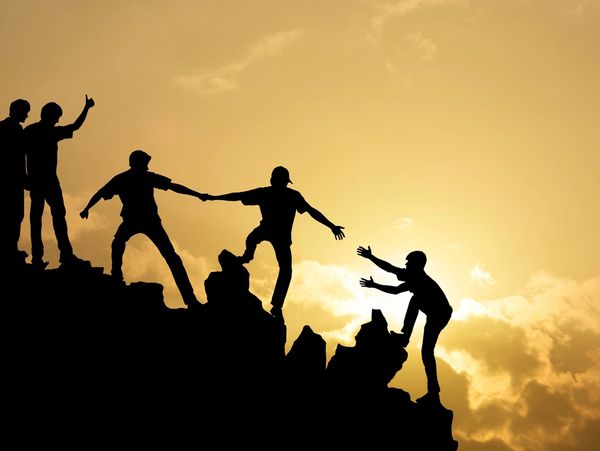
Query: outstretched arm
{"type": "Point", "coordinates": [176, 187]}
{"type": "Point", "coordinates": [229, 196]}
{"type": "Point", "coordinates": [370, 283]}
{"type": "Point", "coordinates": [366, 253]}
{"type": "Point", "coordinates": [89, 103]}
{"type": "Point", "coordinates": [93, 201]}
{"type": "Point", "coordinates": [320, 217]}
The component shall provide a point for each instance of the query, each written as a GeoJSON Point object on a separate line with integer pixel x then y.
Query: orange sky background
{"type": "Point", "coordinates": [466, 129]}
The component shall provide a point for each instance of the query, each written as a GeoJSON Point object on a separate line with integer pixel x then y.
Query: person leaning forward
{"type": "Point", "coordinates": [135, 187]}
{"type": "Point", "coordinates": [427, 297]}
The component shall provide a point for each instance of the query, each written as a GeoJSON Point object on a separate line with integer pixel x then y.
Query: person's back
{"type": "Point", "coordinates": [278, 206]}
{"type": "Point", "coordinates": [430, 297]}
{"type": "Point", "coordinates": [135, 188]}
{"type": "Point", "coordinates": [42, 150]}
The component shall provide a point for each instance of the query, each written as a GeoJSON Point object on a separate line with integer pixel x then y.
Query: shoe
{"type": "Point", "coordinates": [243, 259]}
{"type": "Point", "coordinates": [429, 398]}
{"type": "Point", "coordinates": [72, 261]}
{"type": "Point", "coordinates": [195, 306]}
{"type": "Point", "coordinates": [400, 338]}
{"type": "Point", "coordinates": [38, 264]}
{"type": "Point", "coordinates": [277, 313]}
{"type": "Point", "coordinates": [117, 280]}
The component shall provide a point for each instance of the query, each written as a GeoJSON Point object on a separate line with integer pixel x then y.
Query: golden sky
{"type": "Point", "coordinates": [464, 128]}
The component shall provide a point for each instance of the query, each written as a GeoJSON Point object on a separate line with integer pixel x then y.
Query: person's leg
{"type": "Point", "coordinates": [253, 239]}
{"type": "Point", "coordinates": [124, 232]}
{"type": "Point", "coordinates": [430, 337]}
{"type": "Point", "coordinates": [36, 212]}
{"type": "Point", "coordinates": [410, 317]}
{"type": "Point", "coordinates": [159, 237]}
{"type": "Point", "coordinates": [283, 252]}
{"type": "Point", "coordinates": [55, 200]}
{"type": "Point", "coordinates": [17, 218]}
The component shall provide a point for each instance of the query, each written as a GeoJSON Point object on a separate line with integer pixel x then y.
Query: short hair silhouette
{"type": "Point", "coordinates": [18, 106]}
{"type": "Point", "coordinates": [139, 159]}
{"type": "Point", "coordinates": [51, 111]}
{"type": "Point", "coordinates": [418, 258]}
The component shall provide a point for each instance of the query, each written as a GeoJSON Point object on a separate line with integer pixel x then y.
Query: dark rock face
{"type": "Point", "coordinates": [93, 365]}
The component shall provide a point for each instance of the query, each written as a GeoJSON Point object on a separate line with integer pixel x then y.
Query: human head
{"type": "Point", "coordinates": [280, 176]}
{"type": "Point", "coordinates": [138, 159]}
{"type": "Point", "coordinates": [51, 113]}
{"type": "Point", "coordinates": [416, 260]}
{"type": "Point", "coordinates": [19, 109]}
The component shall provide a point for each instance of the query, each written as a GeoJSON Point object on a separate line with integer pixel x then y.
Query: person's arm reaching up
{"type": "Point", "coordinates": [89, 103]}
{"type": "Point", "coordinates": [370, 283]}
{"type": "Point", "coordinates": [366, 253]}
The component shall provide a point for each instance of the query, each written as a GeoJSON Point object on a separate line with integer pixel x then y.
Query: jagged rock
{"type": "Point", "coordinates": [372, 362]}
{"type": "Point", "coordinates": [91, 364]}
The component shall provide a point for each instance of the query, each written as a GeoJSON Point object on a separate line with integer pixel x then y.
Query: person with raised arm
{"type": "Point", "coordinates": [427, 297]}
{"type": "Point", "coordinates": [41, 139]}
{"type": "Point", "coordinates": [278, 206]}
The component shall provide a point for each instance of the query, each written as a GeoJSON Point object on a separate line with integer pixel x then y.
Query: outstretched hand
{"type": "Point", "coordinates": [337, 231]}
{"type": "Point", "coordinates": [89, 102]}
{"type": "Point", "coordinates": [84, 213]}
{"type": "Point", "coordinates": [205, 196]}
{"type": "Point", "coordinates": [367, 283]}
{"type": "Point", "coordinates": [364, 252]}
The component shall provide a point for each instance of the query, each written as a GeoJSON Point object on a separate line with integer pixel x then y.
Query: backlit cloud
{"type": "Point", "coordinates": [224, 78]}
{"type": "Point", "coordinates": [481, 275]}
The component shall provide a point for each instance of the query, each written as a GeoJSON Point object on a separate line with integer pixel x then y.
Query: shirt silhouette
{"type": "Point", "coordinates": [42, 140]}
{"type": "Point", "coordinates": [13, 183]}
{"type": "Point", "coordinates": [278, 206]}
{"type": "Point", "coordinates": [427, 297]}
{"type": "Point", "coordinates": [135, 187]}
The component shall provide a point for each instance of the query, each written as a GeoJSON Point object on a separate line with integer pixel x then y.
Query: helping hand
{"type": "Point", "coordinates": [84, 213]}
{"type": "Point", "coordinates": [367, 283]}
{"type": "Point", "coordinates": [337, 231]}
{"type": "Point", "coordinates": [366, 253]}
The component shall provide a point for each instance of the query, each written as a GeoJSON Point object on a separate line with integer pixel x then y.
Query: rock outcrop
{"type": "Point", "coordinates": [95, 365]}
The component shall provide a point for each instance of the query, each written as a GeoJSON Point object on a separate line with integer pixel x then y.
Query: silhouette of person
{"type": "Point", "coordinates": [135, 188]}
{"type": "Point", "coordinates": [278, 206]}
{"type": "Point", "coordinates": [427, 297]}
{"type": "Point", "coordinates": [42, 140]}
{"type": "Point", "coordinates": [13, 182]}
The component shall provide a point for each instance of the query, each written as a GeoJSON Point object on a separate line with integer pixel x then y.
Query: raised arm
{"type": "Point", "coordinates": [366, 253]}
{"type": "Point", "coordinates": [89, 103]}
{"type": "Point", "coordinates": [320, 217]}
{"type": "Point", "coordinates": [370, 283]}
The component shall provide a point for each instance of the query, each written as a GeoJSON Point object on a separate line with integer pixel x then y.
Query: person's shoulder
{"type": "Point", "coordinates": [33, 126]}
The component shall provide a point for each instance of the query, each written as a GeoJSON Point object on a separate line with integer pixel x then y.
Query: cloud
{"type": "Point", "coordinates": [142, 262]}
{"type": "Point", "coordinates": [387, 10]}
{"type": "Point", "coordinates": [223, 78]}
{"type": "Point", "coordinates": [532, 359]}
{"type": "Point", "coordinates": [404, 223]}
{"type": "Point", "coordinates": [481, 275]}
{"type": "Point", "coordinates": [425, 47]}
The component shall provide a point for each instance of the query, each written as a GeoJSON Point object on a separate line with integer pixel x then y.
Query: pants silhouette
{"type": "Point", "coordinates": [283, 253]}
{"type": "Point", "coordinates": [52, 194]}
{"type": "Point", "coordinates": [157, 234]}
{"type": "Point", "coordinates": [433, 327]}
